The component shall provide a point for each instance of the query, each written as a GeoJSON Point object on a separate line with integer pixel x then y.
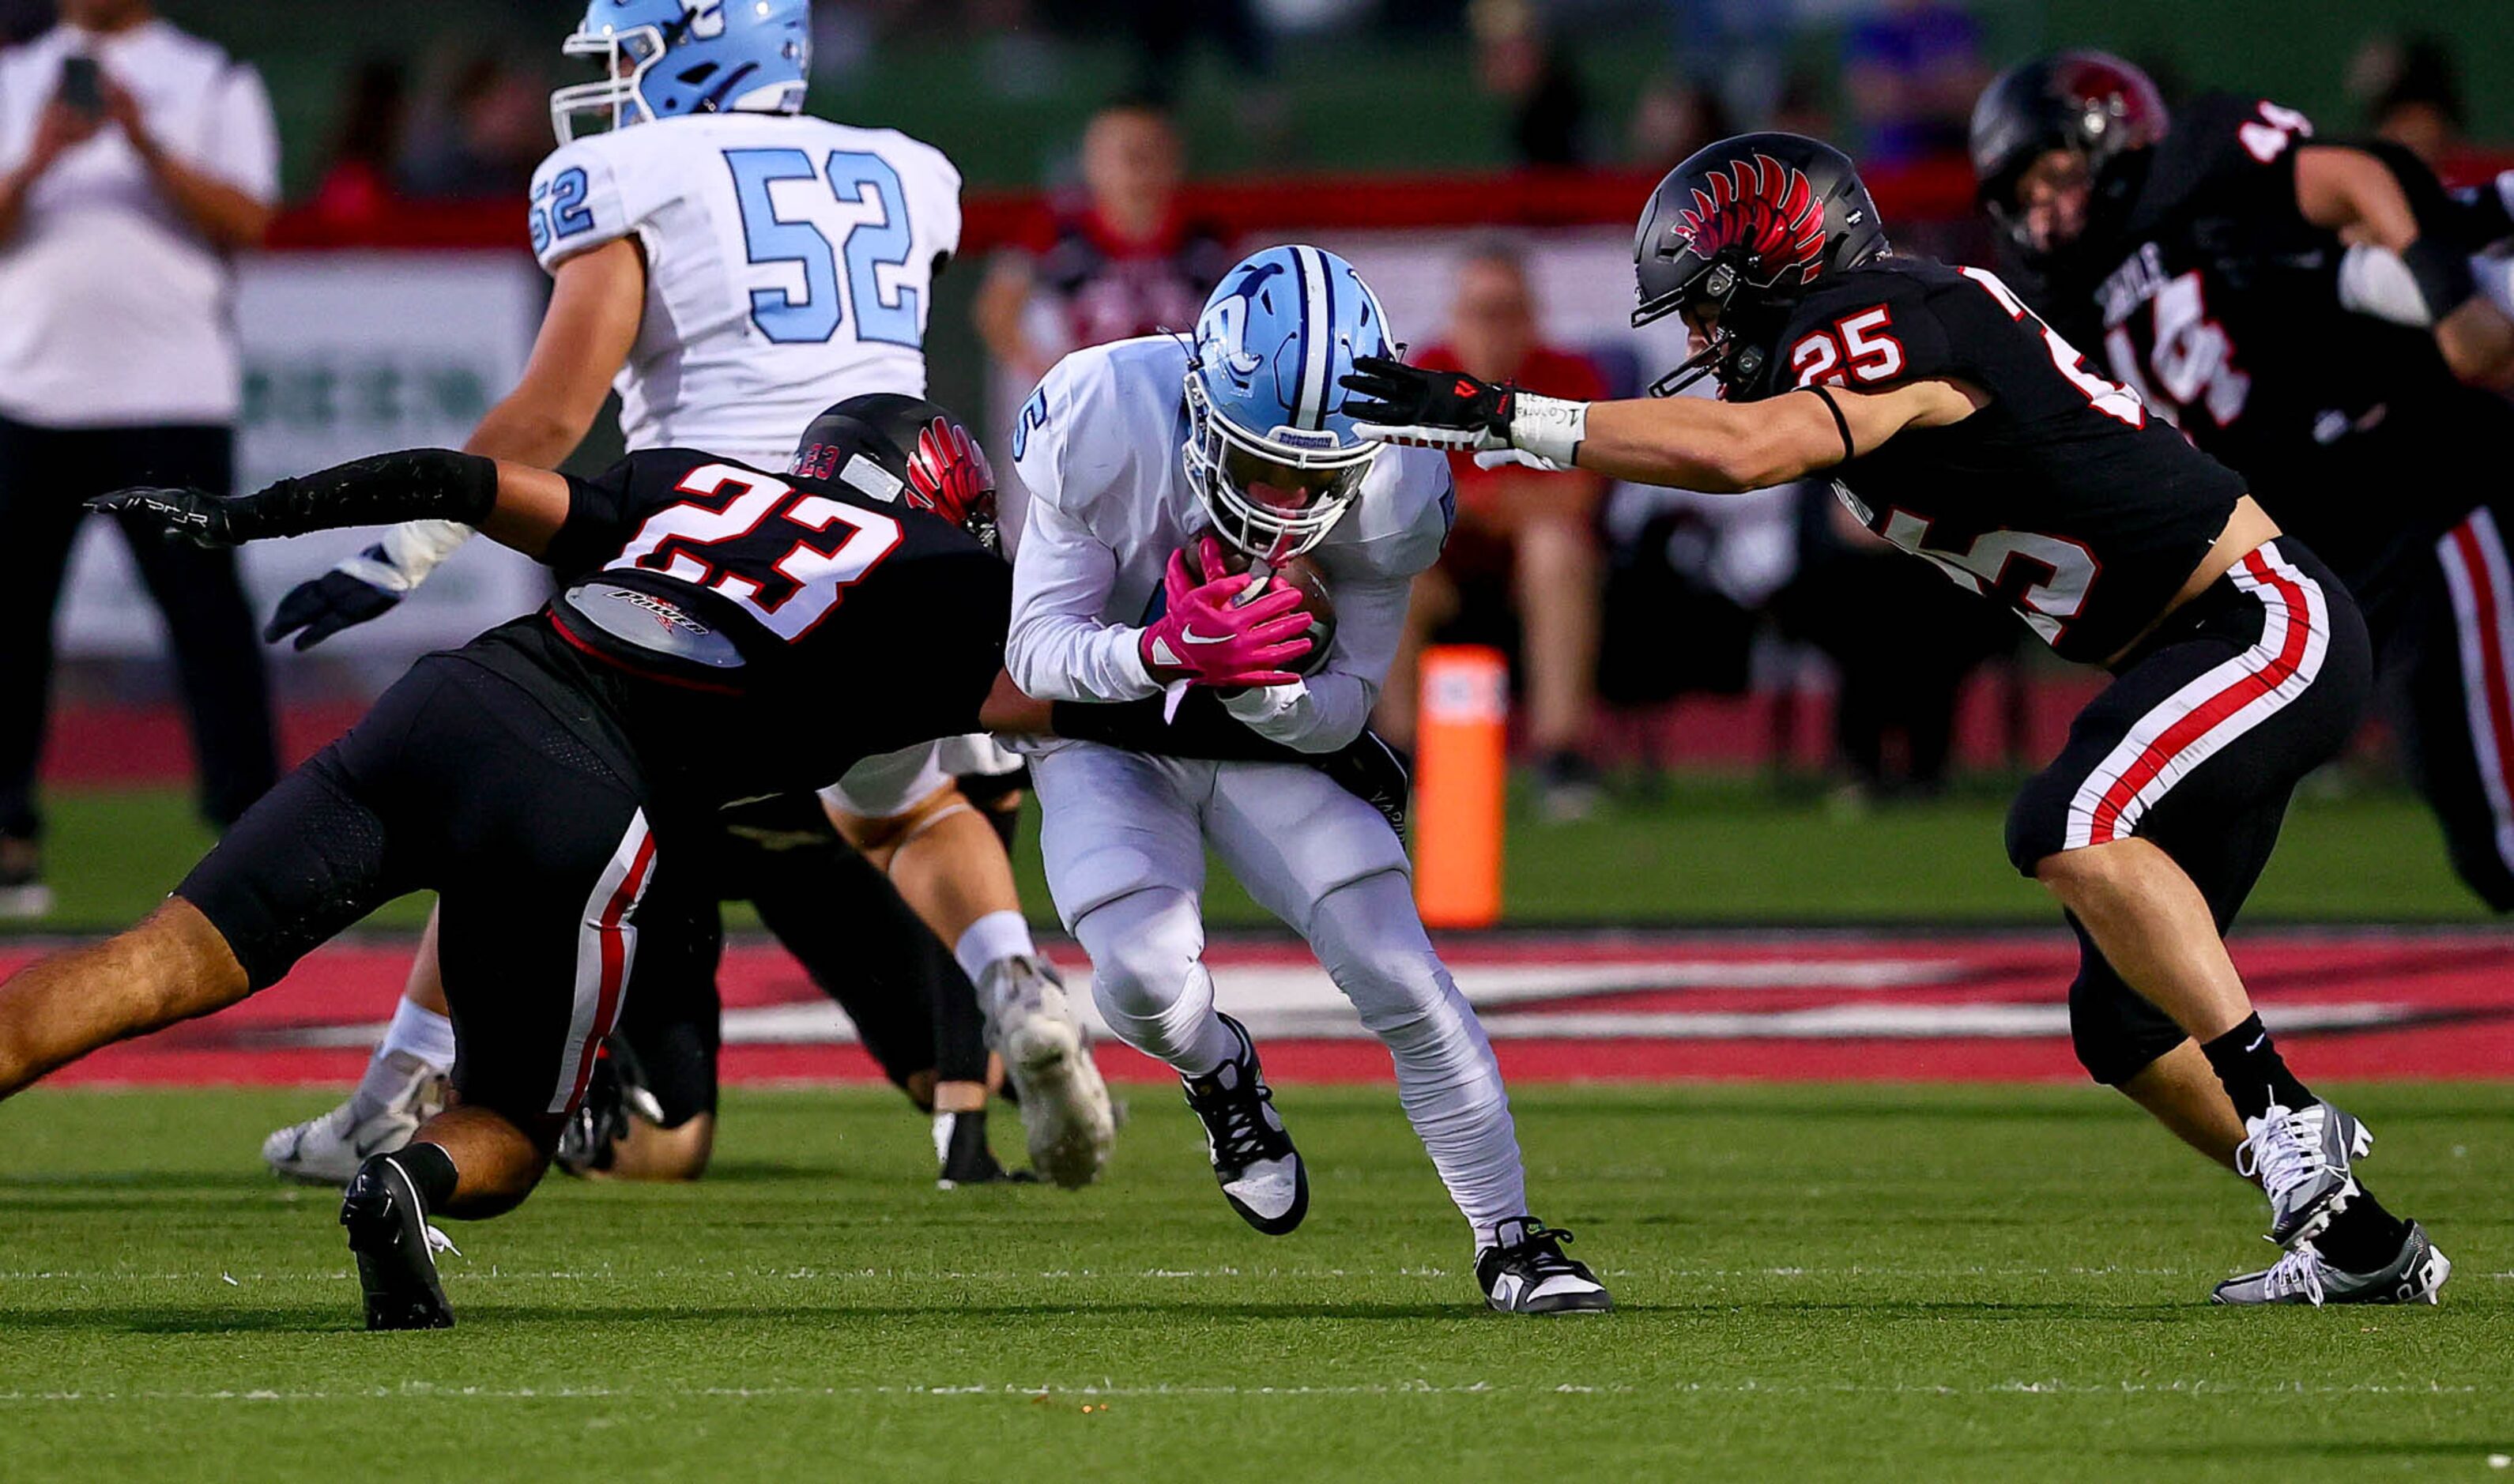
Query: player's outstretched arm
{"type": "Point", "coordinates": [2411, 257]}
{"type": "Point", "coordinates": [595, 307]}
{"type": "Point", "coordinates": [512, 504]}
{"type": "Point", "coordinates": [1689, 443]}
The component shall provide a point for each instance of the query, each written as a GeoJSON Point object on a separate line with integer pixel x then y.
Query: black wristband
{"type": "Point", "coordinates": [2442, 271]}
{"type": "Point", "coordinates": [1841, 423]}
{"type": "Point", "coordinates": [386, 489]}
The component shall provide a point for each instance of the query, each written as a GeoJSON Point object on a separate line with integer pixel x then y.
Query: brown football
{"type": "Point", "coordinates": [1300, 572]}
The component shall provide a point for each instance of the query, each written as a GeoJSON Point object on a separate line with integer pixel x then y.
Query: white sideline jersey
{"type": "Point", "coordinates": [790, 264]}
{"type": "Point", "coordinates": [1097, 447]}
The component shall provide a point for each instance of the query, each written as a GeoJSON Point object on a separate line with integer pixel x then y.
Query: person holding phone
{"type": "Point", "coordinates": [135, 162]}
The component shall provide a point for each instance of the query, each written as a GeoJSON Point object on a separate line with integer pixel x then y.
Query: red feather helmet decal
{"type": "Point", "coordinates": [1767, 209]}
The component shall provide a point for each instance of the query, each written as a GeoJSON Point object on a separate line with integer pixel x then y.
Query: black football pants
{"type": "Point", "coordinates": [2196, 747]}
{"type": "Point", "coordinates": [45, 475]}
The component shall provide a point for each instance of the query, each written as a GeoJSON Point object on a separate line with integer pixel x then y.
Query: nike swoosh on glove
{"type": "Point", "coordinates": [1209, 639]}
{"type": "Point", "coordinates": [1397, 403]}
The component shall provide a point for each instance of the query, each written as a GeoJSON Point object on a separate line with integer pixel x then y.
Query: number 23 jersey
{"type": "Point", "coordinates": [2061, 498]}
{"type": "Point", "coordinates": [790, 264]}
{"type": "Point", "coordinates": [859, 625]}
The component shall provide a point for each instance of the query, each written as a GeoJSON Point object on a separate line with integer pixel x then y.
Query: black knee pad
{"type": "Point", "coordinates": [2115, 1031]}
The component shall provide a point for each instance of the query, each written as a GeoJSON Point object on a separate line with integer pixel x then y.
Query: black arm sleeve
{"type": "Point", "coordinates": [1202, 729]}
{"type": "Point", "coordinates": [387, 489]}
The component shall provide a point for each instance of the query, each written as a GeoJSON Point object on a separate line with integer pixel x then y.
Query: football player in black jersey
{"type": "Point", "coordinates": [722, 633]}
{"type": "Point", "coordinates": [2305, 311]}
{"type": "Point", "coordinates": [1963, 429]}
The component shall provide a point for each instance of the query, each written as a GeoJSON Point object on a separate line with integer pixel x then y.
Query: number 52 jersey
{"type": "Point", "coordinates": [2062, 497]}
{"type": "Point", "coordinates": [790, 264]}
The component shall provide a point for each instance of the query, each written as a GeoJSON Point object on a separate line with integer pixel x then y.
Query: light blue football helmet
{"type": "Point", "coordinates": [667, 58]}
{"type": "Point", "coordinates": [1269, 449]}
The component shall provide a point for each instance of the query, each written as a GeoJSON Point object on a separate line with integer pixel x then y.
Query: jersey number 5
{"type": "Point", "coordinates": [670, 540]}
{"type": "Point", "coordinates": [2045, 577]}
{"type": "Point", "coordinates": [871, 243]}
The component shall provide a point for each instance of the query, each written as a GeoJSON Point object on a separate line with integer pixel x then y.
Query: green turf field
{"type": "Point", "coordinates": [1817, 1284]}
{"type": "Point", "coordinates": [1716, 851]}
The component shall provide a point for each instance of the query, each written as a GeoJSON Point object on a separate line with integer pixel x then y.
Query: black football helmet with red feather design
{"type": "Point", "coordinates": [908, 449]}
{"type": "Point", "coordinates": [1742, 227]}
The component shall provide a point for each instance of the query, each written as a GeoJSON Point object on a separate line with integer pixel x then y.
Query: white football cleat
{"type": "Point", "coordinates": [2305, 1276]}
{"type": "Point", "coordinates": [2302, 1158]}
{"type": "Point", "coordinates": [399, 1093]}
{"type": "Point", "coordinates": [1065, 1107]}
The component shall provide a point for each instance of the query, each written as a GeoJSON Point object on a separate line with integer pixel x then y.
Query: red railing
{"type": "Point", "coordinates": [1932, 190]}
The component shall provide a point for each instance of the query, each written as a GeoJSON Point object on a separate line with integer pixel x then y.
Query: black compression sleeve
{"type": "Point", "coordinates": [1841, 423]}
{"type": "Point", "coordinates": [387, 489]}
{"type": "Point", "coordinates": [1201, 729]}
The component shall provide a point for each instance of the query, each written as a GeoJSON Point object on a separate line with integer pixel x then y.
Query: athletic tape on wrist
{"type": "Point", "coordinates": [1549, 427]}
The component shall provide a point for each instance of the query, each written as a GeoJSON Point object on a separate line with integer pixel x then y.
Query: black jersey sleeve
{"type": "Point", "coordinates": [1865, 329]}
{"type": "Point", "coordinates": [605, 511]}
{"type": "Point", "coordinates": [2232, 153]}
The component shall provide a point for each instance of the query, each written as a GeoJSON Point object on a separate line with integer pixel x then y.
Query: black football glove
{"type": "Point", "coordinates": [1431, 408]}
{"type": "Point", "coordinates": [1375, 773]}
{"type": "Point", "coordinates": [197, 516]}
{"type": "Point", "coordinates": [359, 589]}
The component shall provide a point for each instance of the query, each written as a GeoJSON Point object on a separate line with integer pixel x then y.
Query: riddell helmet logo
{"type": "Point", "coordinates": [704, 19]}
{"type": "Point", "coordinates": [1764, 206]}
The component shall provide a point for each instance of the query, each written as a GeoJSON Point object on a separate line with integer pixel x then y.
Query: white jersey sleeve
{"type": "Point", "coordinates": [581, 199]}
{"type": "Point", "coordinates": [1397, 529]}
{"type": "Point", "coordinates": [1064, 571]}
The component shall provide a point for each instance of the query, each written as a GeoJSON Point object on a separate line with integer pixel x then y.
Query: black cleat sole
{"type": "Point", "coordinates": [388, 1237]}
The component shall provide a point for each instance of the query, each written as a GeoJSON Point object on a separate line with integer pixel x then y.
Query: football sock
{"type": "Point", "coordinates": [2363, 1236]}
{"type": "Point", "coordinates": [430, 1169]}
{"type": "Point", "coordinates": [1372, 940]}
{"type": "Point", "coordinates": [990, 940]}
{"type": "Point", "coordinates": [422, 1033]}
{"type": "Point", "coordinates": [2255, 1075]}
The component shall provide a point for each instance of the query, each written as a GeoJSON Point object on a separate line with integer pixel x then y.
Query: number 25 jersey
{"type": "Point", "coordinates": [790, 264]}
{"type": "Point", "coordinates": [2061, 498]}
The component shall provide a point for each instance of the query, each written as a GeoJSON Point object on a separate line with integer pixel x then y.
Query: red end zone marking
{"type": "Point", "coordinates": [1610, 1006]}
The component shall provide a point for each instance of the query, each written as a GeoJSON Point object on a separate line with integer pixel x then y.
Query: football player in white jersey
{"type": "Point", "coordinates": [731, 267]}
{"type": "Point", "coordinates": [1104, 608]}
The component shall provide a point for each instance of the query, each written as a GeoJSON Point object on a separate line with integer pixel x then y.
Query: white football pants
{"type": "Point", "coordinates": [1125, 837]}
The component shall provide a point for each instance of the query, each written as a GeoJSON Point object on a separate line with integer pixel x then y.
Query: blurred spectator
{"type": "Point", "coordinates": [1733, 51]}
{"type": "Point", "coordinates": [1520, 65]}
{"type": "Point", "coordinates": [1673, 119]}
{"type": "Point", "coordinates": [1527, 533]}
{"type": "Point", "coordinates": [1896, 706]}
{"type": "Point", "coordinates": [2411, 92]}
{"type": "Point", "coordinates": [357, 185]}
{"type": "Point", "coordinates": [1125, 259]}
{"type": "Point", "coordinates": [482, 142]}
{"type": "Point", "coordinates": [1702, 566]}
{"type": "Point", "coordinates": [119, 220]}
{"type": "Point", "coordinates": [1912, 71]}
{"type": "Point", "coordinates": [1800, 108]}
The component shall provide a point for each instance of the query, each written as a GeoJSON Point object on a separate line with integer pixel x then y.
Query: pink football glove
{"type": "Point", "coordinates": [1207, 637]}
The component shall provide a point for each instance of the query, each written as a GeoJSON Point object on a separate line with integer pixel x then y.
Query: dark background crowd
{"type": "Point", "coordinates": [1110, 112]}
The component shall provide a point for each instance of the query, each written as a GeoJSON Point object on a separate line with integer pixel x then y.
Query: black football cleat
{"type": "Point", "coordinates": [1527, 1273]}
{"type": "Point", "coordinates": [1261, 1174]}
{"type": "Point", "coordinates": [960, 1145]}
{"type": "Point", "coordinates": [395, 1248]}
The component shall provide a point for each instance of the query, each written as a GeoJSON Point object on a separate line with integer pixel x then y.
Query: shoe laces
{"type": "Point", "coordinates": [2283, 1151]}
{"type": "Point", "coordinates": [1234, 1116]}
{"type": "Point", "coordinates": [2298, 1272]}
{"type": "Point", "coordinates": [1539, 1249]}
